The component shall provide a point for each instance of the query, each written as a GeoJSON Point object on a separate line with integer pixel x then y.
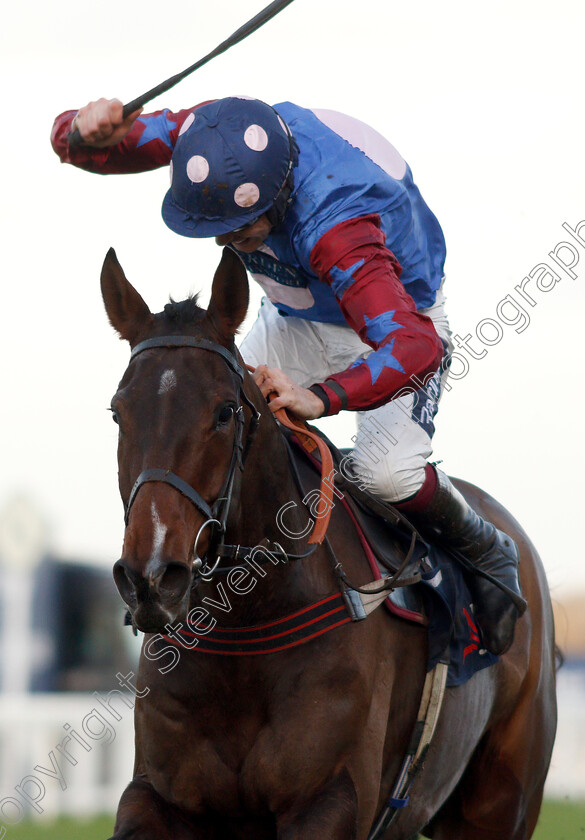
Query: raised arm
{"type": "Point", "coordinates": [114, 145]}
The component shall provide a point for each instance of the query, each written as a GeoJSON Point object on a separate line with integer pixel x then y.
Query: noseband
{"type": "Point", "coordinates": [216, 514]}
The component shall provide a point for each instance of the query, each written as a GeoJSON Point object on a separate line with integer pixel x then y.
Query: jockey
{"type": "Point", "coordinates": [325, 215]}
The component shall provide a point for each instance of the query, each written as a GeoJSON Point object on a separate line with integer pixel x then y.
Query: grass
{"type": "Point", "coordinates": [99, 828]}
{"type": "Point", "coordinates": [558, 821]}
{"type": "Point", "coordinates": [561, 820]}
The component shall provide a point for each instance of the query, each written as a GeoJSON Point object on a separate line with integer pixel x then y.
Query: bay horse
{"type": "Point", "coordinates": [302, 743]}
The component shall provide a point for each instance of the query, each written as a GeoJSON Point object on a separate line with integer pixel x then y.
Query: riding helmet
{"type": "Point", "coordinates": [233, 162]}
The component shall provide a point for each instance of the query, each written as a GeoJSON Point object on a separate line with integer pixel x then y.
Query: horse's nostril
{"type": "Point", "coordinates": [168, 585]}
{"type": "Point", "coordinates": [125, 586]}
{"type": "Point", "coordinates": [174, 582]}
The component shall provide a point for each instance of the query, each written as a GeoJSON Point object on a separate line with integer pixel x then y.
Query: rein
{"type": "Point", "coordinates": [311, 441]}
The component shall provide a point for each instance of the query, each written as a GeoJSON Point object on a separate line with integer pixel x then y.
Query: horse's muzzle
{"type": "Point", "coordinates": [155, 598]}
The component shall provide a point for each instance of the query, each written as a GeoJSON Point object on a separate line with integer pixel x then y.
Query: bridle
{"type": "Point", "coordinates": [216, 513]}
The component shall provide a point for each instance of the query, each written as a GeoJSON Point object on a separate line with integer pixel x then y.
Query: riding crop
{"type": "Point", "coordinates": [252, 25]}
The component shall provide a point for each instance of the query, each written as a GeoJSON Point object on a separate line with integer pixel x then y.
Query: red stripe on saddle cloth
{"type": "Point", "coordinates": [473, 633]}
{"type": "Point", "coordinates": [304, 625]}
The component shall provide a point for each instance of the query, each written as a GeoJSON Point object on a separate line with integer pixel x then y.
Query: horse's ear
{"type": "Point", "coordinates": [127, 312]}
{"type": "Point", "coordinates": [229, 295]}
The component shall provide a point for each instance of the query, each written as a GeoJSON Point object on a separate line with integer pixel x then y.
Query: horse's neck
{"type": "Point", "coordinates": [267, 485]}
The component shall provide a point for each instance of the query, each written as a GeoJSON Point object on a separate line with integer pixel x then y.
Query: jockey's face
{"type": "Point", "coordinates": [247, 238]}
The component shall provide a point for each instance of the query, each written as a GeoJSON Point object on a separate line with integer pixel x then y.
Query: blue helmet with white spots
{"type": "Point", "coordinates": [233, 162]}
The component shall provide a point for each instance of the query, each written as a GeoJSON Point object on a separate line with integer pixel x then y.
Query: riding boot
{"type": "Point", "coordinates": [489, 554]}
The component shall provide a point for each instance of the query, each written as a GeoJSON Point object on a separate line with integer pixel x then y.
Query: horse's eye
{"type": "Point", "coordinates": [225, 415]}
{"type": "Point", "coordinates": [114, 416]}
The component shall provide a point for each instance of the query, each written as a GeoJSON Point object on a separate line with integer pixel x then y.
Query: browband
{"type": "Point", "coordinates": [189, 341]}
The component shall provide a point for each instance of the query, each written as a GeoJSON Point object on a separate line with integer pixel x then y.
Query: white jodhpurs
{"type": "Point", "coordinates": [393, 442]}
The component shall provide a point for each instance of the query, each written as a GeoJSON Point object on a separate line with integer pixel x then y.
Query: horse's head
{"type": "Point", "coordinates": [180, 412]}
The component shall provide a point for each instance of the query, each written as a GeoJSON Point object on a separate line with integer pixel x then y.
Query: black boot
{"type": "Point", "coordinates": [489, 554]}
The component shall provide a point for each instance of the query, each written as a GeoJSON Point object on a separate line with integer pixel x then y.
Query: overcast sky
{"type": "Point", "coordinates": [485, 101]}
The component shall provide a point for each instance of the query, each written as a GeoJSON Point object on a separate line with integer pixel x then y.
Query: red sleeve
{"type": "Point", "coordinates": [364, 276]}
{"type": "Point", "coordinates": [148, 145]}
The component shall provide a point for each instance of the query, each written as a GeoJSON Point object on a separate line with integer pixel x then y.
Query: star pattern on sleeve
{"type": "Point", "coordinates": [380, 359]}
{"type": "Point", "coordinates": [157, 128]}
{"type": "Point", "coordinates": [381, 326]}
{"type": "Point", "coordinates": [342, 279]}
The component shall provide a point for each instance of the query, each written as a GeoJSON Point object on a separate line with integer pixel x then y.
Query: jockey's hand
{"type": "Point", "coordinates": [102, 123]}
{"type": "Point", "coordinates": [287, 394]}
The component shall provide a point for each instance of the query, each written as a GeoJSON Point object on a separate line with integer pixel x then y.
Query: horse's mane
{"type": "Point", "coordinates": [183, 312]}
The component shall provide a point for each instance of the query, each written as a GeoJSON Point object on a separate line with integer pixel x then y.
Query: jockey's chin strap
{"type": "Point", "coordinates": [217, 512]}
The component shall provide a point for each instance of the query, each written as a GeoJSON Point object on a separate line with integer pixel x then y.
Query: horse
{"type": "Point", "coordinates": [305, 741]}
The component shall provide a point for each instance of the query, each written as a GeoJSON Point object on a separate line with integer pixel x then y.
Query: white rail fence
{"type": "Point", "coordinates": [73, 753]}
{"type": "Point", "coordinates": [64, 754]}
{"type": "Point", "coordinates": [567, 774]}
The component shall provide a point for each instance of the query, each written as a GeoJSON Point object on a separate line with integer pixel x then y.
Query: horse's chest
{"type": "Point", "coordinates": [246, 754]}
{"type": "Point", "coordinates": [226, 766]}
